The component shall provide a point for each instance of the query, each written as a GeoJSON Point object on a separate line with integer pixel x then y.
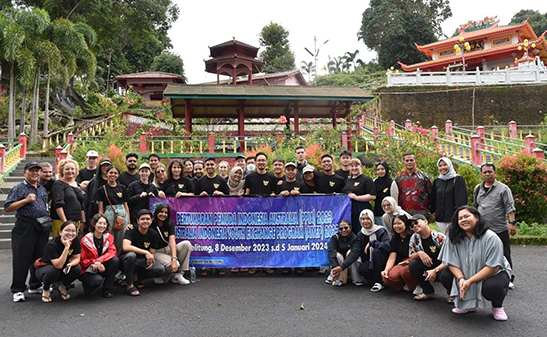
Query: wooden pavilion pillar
{"type": "Point", "coordinates": [187, 115]}
{"type": "Point", "coordinates": [241, 124]}
{"type": "Point", "coordinates": [348, 111]}
{"type": "Point", "coordinates": [296, 118]}
{"type": "Point", "coordinates": [333, 113]}
{"type": "Point", "coordinates": [235, 76]}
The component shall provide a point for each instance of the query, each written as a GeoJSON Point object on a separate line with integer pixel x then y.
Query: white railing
{"type": "Point", "coordinates": [535, 72]}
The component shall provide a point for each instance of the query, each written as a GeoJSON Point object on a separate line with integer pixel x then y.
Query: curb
{"type": "Point", "coordinates": [529, 240]}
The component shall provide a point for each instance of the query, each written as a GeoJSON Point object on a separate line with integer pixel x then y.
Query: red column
{"type": "Point", "coordinates": [476, 143]}
{"type": "Point", "coordinates": [529, 143]}
{"type": "Point", "coordinates": [538, 153]}
{"type": "Point", "coordinates": [448, 129]}
{"type": "Point", "coordinates": [513, 129]}
{"type": "Point", "coordinates": [333, 111]}
{"type": "Point", "coordinates": [391, 129]}
{"type": "Point", "coordinates": [480, 131]}
{"type": "Point", "coordinates": [187, 115]}
{"type": "Point", "coordinates": [23, 140]}
{"type": "Point", "coordinates": [241, 124]}
{"type": "Point", "coordinates": [142, 145]}
{"type": "Point", "coordinates": [296, 119]}
{"type": "Point", "coordinates": [2, 159]}
{"type": "Point", "coordinates": [344, 140]}
{"type": "Point", "coordinates": [279, 137]}
{"type": "Point", "coordinates": [62, 155]}
{"type": "Point", "coordinates": [434, 133]}
{"type": "Point", "coordinates": [70, 140]}
{"type": "Point", "coordinates": [211, 139]}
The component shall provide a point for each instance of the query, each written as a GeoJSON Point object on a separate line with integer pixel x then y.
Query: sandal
{"type": "Point", "coordinates": [299, 272]}
{"type": "Point", "coordinates": [243, 270]}
{"type": "Point", "coordinates": [137, 283]}
{"type": "Point", "coordinates": [253, 271]}
{"type": "Point", "coordinates": [205, 272]}
{"type": "Point", "coordinates": [221, 273]}
{"type": "Point", "coordinates": [285, 271]}
{"type": "Point", "coordinates": [424, 297]}
{"type": "Point", "coordinates": [449, 300]}
{"type": "Point", "coordinates": [120, 283]}
{"type": "Point", "coordinates": [131, 291]}
{"type": "Point", "coordinates": [64, 296]}
{"type": "Point", "coordinates": [269, 271]}
{"type": "Point", "coordinates": [46, 299]}
{"type": "Point", "coordinates": [234, 270]}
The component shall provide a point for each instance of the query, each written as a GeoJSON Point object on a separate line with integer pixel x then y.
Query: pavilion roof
{"type": "Point", "coordinates": [149, 75]}
{"type": "Point", "coordinates": [262, 101]}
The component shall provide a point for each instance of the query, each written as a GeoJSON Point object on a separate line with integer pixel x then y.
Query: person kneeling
{"type": "Point", "coordinates": [175, 257]}
{"type": "Point", "coordinates": [139, 246]}
{"type": "Point", "coordinates": [99, 260]}
{"type": "Point", "coordinates": [343, 252]}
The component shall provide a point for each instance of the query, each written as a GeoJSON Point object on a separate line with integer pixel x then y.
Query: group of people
{"type": "Point", "coordinates": [104, 233]}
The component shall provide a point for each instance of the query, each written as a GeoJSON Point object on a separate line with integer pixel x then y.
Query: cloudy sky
{"type": "Point", "coordinates": [206, 23]}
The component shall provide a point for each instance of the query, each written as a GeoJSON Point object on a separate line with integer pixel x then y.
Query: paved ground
{"type": "Point", "coordinates": [264, 305]}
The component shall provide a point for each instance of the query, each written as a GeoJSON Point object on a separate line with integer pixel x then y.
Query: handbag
{"type": "Point", "coordinates": [119, 221]}
{"type": "Point", "coordinates": [44, 223]}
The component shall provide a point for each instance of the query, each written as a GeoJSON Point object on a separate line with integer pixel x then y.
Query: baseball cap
{"type": "Point", "coordinates": [32, 165]}
{"type": "Point", "coordinates": [92, 153]}
{"type": "Point", "coordinates": [290, 164]}
{"type": "Point", "coordinates": [308, 168]}
{"type": "Point", "coordinates": [415, 217]}
{"type": "Point", "coordinates": [144, 165]}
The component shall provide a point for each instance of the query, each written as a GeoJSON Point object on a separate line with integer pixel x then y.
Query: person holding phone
{"type": "Point", "coordinates": [60, 261]}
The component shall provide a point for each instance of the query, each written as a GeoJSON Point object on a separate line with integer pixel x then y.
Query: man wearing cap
{"type": "Point", "coordinates": [308, 174]}
{"type": "Point", "coordinates": [425, 245]}
{"type": "Point", "coordinates": [141, 191]}
{"type": "Point", "coordinates": [291, 186]}
{"type": "Point", "coordinates": [29, 200]}
{"type": "Point", "coordinates": [211, 184]}
{"type": "Point", "coordinates": [240, 161]}
{"type": "Point", "coordinates": [327, 181]}
{"type": "Point", "coordinates": [130, 174]}
{"type": "Point", "coordinates": [87, 173]}
{"type": "Point", "coordinates": [345, 160]}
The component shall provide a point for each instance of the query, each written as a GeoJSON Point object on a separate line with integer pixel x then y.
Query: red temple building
{"type": "Point", "coordinates": [149, 84]}
{"type": "Point", "coordinates": [484, 45]}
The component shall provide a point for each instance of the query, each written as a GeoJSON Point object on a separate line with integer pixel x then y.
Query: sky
{"type": "Point", "coordinates": [207, 23]}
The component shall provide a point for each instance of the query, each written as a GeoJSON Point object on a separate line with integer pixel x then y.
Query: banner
{"type": "Point", "coordinates": [272, 232]}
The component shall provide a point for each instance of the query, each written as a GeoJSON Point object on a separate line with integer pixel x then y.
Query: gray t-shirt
{"type": "Point", "coordinates": [494, 204]}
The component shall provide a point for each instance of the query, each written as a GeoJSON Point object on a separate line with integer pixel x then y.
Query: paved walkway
{"type": "Point", "coordinates": [261, 305]}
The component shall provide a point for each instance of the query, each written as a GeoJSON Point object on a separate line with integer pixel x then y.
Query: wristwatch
{"type": "Point", "coordinates": [513, 222]}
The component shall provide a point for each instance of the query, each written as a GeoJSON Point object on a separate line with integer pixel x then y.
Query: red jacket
{"type": "Point", "coordinates": [89, 254]}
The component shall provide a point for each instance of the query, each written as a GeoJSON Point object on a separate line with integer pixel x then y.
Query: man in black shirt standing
{"type": "Point", "coordinates": [345, 160]}
{"type": "Point", "coordinates": [260, 182]}
{"type": "Point", "coordinates": [277, 168]}
{"type": "Point", "coordinates": [211, 184]}
{"type": "Point", "coordinates": [327, 181]}
{"type": "Point", "coordinates": [301, 162]}
{"type": "Point", "coordinates": [291, 186]}
{"type": "Point", "coordinates": [131, 174]}
{"type": "Point", "coordinates": [46, 177]}
{"type": "Point", "coordinates": [139, 246]}
{"type": "Point", "coordinates": [87, 173]}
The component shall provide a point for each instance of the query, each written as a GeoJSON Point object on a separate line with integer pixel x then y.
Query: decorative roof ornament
{"type": "Point", "coordinates": [476, 25]}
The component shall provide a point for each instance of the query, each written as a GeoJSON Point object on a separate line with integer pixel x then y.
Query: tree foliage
{"type": "Point", "coordinates": [391, 27]}
{"type": "Point", "coordinates": [367, 75]}
{"type": "Point", "coordinates": [538, 21]}
{"type": "Point", "coordinates": [277, 55]}
{"type": "Point", "coordinates": [168, 63]}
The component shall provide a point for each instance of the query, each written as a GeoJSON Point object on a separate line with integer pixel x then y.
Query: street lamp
{"type": "Point", "coordinates": [526, 56]}
{"type": "Point", "coordinates": [463, 47]}
{"type": "Point", "coordinates": [314, 55]}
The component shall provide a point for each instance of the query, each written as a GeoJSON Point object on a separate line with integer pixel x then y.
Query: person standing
{"type": "Point", "coordinates": [46, 177]}
{"type": "Point", "coordinates": [67, 198]}
{"type": "Point", "coordinates": [87, 173]}
{"type": "Point", "coordinates": [91, 201]}
{"type": "Point", "coordinates": [291, 186]}
{"type": "Point", "coordinates": [385, 187]}
{"type": "Point", "coordinates": [130, 174]}
{"type": "Point", "coordinates": [260, 182]}
{"type": "Point", "coordinates": [141, 191]}
{"type": "Point", "coordinates": [495, 203]}
{"type": "Point", "coordinates": [176, 184]}
{"type": "Point", "coordinates": [153, 161]}
{"type": "Point", "coordinates": [308, 175]}
{"type": "Point", "coordinates": [361, 190]}
{"type": "Point", "coordinates": [223, 169]}
{"type": "Point", "coordinates": [327, 181]}
{"type": "Point", "coordinates": [278, 165]}
{"type": "Point", "coordinates": [301, 162]}
{"type": "Point", "coordinates": [414, 187]}
{"type": "Point", "coordinates": [449, 193]}
{"type": "Point", "coordinates": [29, 201]}
{"type": "Point", "coordinates": [345, 160]}
{"type": "Point", "coordinates": [211, 184]}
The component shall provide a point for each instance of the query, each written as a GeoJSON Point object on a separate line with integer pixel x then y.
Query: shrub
{"type": "Point", "coordinates": [527, 177]}
{"type": "Point", "coordinates": [472, 178]}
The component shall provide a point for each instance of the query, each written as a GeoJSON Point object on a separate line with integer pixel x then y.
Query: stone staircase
{"type": "Point", "coordinates": [7, 220]}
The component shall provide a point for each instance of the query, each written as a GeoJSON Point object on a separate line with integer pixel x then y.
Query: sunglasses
{"type": "Point", "coordinates": [343, 228]}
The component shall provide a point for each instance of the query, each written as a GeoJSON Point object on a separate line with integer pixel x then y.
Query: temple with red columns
{"type": "Point", "coordinates": [485, 45]}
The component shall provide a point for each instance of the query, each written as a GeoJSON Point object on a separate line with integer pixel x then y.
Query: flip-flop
{"type": "Point", "coordinates": [424, 297]}
{"type": "Point", "coordinates": [269, 271]}
{"type": "Point", "coordinates": [131, 291]}
{"type": "Point", "coordinates": [46, 299]}
{"type": "Point", "coordinates": [64, 296]}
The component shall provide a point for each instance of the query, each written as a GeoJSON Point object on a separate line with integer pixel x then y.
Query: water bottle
{"type": "Point", "coordinates": [192, 274]}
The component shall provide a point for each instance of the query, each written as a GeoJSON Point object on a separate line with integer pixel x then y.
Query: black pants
{"type": "Point", "coordinates": [494, 288]}
{"type": "Point", "coordinates": [417, 269]}
{"type": "Point", "coordinates": [27, 245]}
{"type": "Point", "coordinates": [132, 264]}
{"type": "Point", "coordinates": [92, 281]}
{"type": "Point", "coordinates": [505, 239]}
{"type": "Point", "coordinates": [49, 274]}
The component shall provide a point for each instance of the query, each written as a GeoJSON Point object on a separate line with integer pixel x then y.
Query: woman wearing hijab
{"type": "Point", "coordinates": [236, 183]}
{"type": "Point", "coordinates": [375, 250]}
{"type": "Point", "coordinates": [385, 187]}
{"type": "Point", "coordinates": [449, 193]}
{"type": "Point", "coordinates": [390, 207]}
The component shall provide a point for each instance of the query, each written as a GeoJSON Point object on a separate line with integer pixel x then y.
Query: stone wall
{"type": "Point", "coordinates": [525, 104]}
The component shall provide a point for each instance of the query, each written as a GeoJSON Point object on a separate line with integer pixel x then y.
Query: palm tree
{"type": "Point", "coordinates": [308, 68]}
{"type": "Point", "coordinates": [350, 59]}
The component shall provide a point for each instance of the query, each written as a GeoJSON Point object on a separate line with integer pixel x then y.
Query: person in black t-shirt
{"type": "Point", "coordinates": [131, 174]}
{"type": "Point", "coordinates": [345, 160]}
{"type": "Point", "coordinates": [291, 186]}
{"type": "Point", "coordinates": [87, 173]}
{"type": "Point", "coordinates": [361, 190]}
{"type": "Point", "coordinates": [60, 262]}
{"type": "Point", "coordinates": [46, 177]}
{"type": "Point", "coordinates": [278, 166]}
{"type": "Point", "coordinates": [114, 203]}
{"type": "Point", "coordinates": [176, 184]}
{"type": "Point", "coordinates": [139, 246]}
{"type": "Point", "coordinates": [308, 174]}
{"type": "Point", "coordinates": [260, 182]}
{"type": "Point", "coordinates": [141, 191]}
{"type": "Point", "coordinates": [211, 184]}
{"type": "Point", "coordinates": [327, 181]}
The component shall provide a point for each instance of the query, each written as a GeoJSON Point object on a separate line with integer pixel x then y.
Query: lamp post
{"type": "Point", "coordinates": [463, 47]}
{"type": "Point", "coordinates": [314, 55]}
{"type": "Point", "coordinates": [526, 48]}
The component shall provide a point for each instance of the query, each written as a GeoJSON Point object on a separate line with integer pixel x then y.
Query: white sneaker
{"type": "Point", "coordinates": [417, 290]}
{"type": "Point", "coordinates": [329, 279]}
{"type": "Point", "coordinates": [36, 290]}
{"type": "Point", "coordinates": [18, 297]}
{"type": "Point", "coordinates": [179, 279]}
{"type": "Point", "coordinates": [405, 288]}
{"type": "Point", "coordinates": [511, 285]}
{"type": "Point", "coordinates": [358, 283]}
{"type": "Point", "coordinates": [158, 280]}
{"type": "Point", "coordinates": [377, 287]}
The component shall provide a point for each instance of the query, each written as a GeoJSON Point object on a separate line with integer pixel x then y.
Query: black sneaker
{"type": "Point", "coordinates": [107, 293]}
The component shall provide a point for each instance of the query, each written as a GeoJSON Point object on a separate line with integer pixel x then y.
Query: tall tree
{"type": "Point", "coordinates": [169, 63]}
{"type": "Point", "coordinates": [391, 27]}
{"type": "Point", "coordinates": [277, 55]}
{"type": "Point", "coordinates": [538, 21]}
